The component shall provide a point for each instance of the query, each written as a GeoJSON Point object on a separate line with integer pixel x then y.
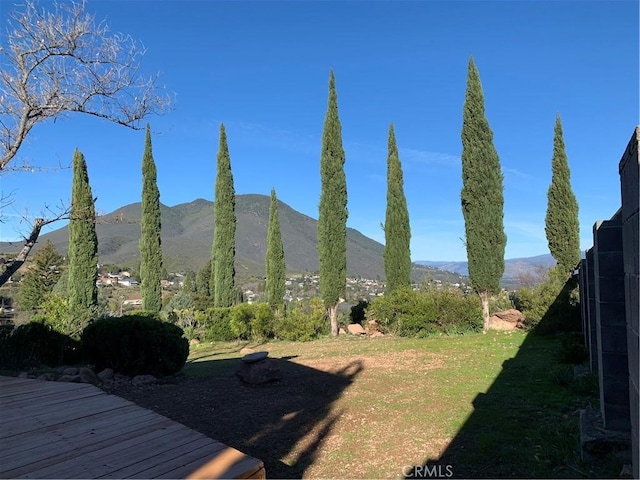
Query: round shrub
{"type": "Point", "coordinates": [135, 344]}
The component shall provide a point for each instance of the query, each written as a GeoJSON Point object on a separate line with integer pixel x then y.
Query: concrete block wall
{"type": "Point", "coordinates": [591, 336]}
{"type": "Point", "coordinates": [613, 371]}
{"type": "Point", "coordinates": [629, 169]}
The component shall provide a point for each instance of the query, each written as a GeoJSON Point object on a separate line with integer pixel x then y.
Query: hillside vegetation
{"type": "Point", "coordinates": [187, 236]}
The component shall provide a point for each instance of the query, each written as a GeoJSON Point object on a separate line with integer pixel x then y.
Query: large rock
{"type": "Point", "coordinates": [106, 374]}
{"type": "Point", "coordinates": [512, 315]}
{"type": "Point", "coordinates": [87, 376]}
{"type": "Point", "coordinates": [511, 319]}
{"type": "Point", "coordinates": [356, 329]}
{"type": "Point", "coordinates": [259, 373]}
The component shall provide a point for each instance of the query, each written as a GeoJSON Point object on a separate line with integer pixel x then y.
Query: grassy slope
{"type": "Point", "coordinates": [483, 404]}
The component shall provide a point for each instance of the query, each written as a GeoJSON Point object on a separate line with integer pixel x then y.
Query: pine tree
{"type": "Point", "coordinates": [397, 231]}
{"type": "Point", "coordinates": [332, 220]}
{"type": "Point", "coordinates": [150, 244]}
{"type": "Point", "coordinates": [561, 222]}
{"type": "Point", "coordinates": [83, 247]}
{"type": "Point", "coordinates": [274, 261]}
{"type": "Point", "coordinates": [41, 277]}
{"type": "Point", "coordinates": [482, 196]}
{"type": "Point", "coordinates": [224, 233]}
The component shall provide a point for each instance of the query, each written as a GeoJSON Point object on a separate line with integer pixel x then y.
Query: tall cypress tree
{"type": "Point", "coordinates": [83, 247]}
{"type": "Point", "coordinates": [332, 220]}
{"type": "Point", "coordinates": [561, 222]}
{"type": "Point", "coordinates": [274, 261]}
{"type": "Point", "coordinates": [482, 196]}
{"type": "Point", "coordinates": [397, 231]}
{"type": "Point", "coordinates": [150, 244]}
{"type": "Point", "coordinates": [224, 233]}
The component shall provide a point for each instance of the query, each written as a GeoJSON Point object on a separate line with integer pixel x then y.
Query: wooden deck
{"type": "Point", "coordinates": [75, 430]}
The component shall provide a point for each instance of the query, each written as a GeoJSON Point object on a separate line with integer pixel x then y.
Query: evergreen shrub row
{"type": "Point", "coordinates": [256, 321]}
{"type": "Point", "coordinates": [410, 313]}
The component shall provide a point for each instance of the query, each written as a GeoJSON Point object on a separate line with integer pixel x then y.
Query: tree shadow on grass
{"type": "Point", "coordinates": [526, 424]}
{"type": "Point", "coordinates": [283, 423]}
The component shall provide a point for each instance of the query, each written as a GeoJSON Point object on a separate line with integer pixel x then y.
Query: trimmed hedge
{"type": "Point", "coordinates": [135, 344]}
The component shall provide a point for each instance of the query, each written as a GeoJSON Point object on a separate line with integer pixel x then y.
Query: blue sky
{"type": "Point", "coordinates": [262, 68]}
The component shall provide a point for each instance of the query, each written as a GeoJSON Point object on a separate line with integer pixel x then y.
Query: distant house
{"type": "Point", "coordinates": [128, 282]}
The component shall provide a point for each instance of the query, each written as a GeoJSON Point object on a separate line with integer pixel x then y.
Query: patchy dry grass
{"type": "Point", "coordinates": [367, 407]}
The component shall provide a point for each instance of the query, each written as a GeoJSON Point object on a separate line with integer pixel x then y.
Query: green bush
{"type": "Point", "coordinates": [35, 344]}
{"type": "Point", "coordinates": [551, 306]}
{"type": "Point", "coordinates": [134, 344]}
{"type": "Point", "coordinates": [253, 321]}
{"type": "Point", "coordinates": [54, 312]}
{"type": "Point", "coordinates": [303, 322]}
{"type": "Point", "coordinates": [216, 325]}
{"type": "Point", "coordinates": [411, 313]}
{"type": "Point", "coordinates": [262, 323]}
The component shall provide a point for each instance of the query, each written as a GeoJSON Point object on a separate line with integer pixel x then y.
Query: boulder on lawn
{"type": "Point", "coordinates": [356, 329]}
{"type": "Point", "coordinates": [511, 319]}
{"type": "Point", "coordinates": [259, 372]}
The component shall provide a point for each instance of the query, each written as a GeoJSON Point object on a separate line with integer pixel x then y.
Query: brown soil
{"type": "Point", "coordinates": [298, 426]}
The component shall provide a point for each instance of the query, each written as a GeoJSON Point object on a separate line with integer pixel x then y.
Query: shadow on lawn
{"type": "Point", "coordinates": [284, 423]}
{"type": "Point", "coordinates": [526, 424]}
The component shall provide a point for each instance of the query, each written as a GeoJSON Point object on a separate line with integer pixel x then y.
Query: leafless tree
{"type": "Point", "coordinates": [59, 61]}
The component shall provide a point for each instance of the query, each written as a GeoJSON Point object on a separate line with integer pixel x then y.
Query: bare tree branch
{"type": "Point", "coordinates": [12, 266]}
{"type": "Point", "coordinates": [61, 61]}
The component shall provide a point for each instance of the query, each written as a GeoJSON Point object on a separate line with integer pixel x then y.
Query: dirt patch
{"type": "Point", "coordinates": [304, 424]}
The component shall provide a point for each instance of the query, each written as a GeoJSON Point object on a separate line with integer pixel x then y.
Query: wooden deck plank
{"type": "Point", "coordinates": [98, 463]}
{"type": "Point", "coordinates": [62, 446]}
{"type": "Point", "coordinates": [228, 463]}
{"type": "Point", "coordinates": [47, 399]}
{"type": "Point", "coordinates": [81, 433]}
{"type": "Point", "coordinates": [158, 451]}
{"type": "Point", "coordinates": [187, 459]}
{"type": "Point", "coordinates": [68, 430]}
{"type": "Point", "coordinates": [82, 460]}
{"type": "Point", "coordinates": [72, 410]}
{"type": "Point", "coordinates": [37, 388]}
{"type": "Point", "coordinates": [176, 456]}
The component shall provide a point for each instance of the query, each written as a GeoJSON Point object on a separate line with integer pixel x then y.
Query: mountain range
{"type": "Point", "coordinates": [187, 235]}
{"type": "Point", "coordinates": [517, 271]}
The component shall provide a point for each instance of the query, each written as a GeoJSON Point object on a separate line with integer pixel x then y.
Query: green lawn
{"type": "Point", "coordinates": [480, 406]}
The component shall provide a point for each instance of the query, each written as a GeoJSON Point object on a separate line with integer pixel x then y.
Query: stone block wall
{"type": "Point", "coordinates": [629, 169]}
{"type": "Point", "coordinates": [609, 284]}
{"type": "Point", "coordinates": [611, 324]}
